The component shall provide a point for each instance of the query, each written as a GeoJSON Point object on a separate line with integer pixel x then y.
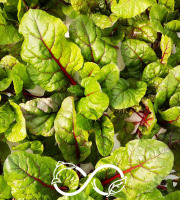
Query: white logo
{"type": "Point", "coordinates": [119, 184]}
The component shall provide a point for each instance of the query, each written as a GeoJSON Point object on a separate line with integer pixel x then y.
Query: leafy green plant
{"type": "Point", "coordinates": [64, 96]}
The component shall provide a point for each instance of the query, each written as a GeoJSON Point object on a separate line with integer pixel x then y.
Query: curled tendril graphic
{"type": "Point", "coordinates": [119, 184]}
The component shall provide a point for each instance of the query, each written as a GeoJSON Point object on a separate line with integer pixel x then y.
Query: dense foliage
{"type": "Point", "coordinates": [85, 96]}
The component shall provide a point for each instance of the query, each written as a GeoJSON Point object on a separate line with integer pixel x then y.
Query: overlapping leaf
{"type": "Point", "coordinates": [104, 132]}
{"type": "Point", "coordinates": [30, 176]}
{"type": "Point", "coordinates": [40, 114]}
{"type": "Point", "coordinates": [73, 141]}
{"type": "Point", "coordinates": [95, 103]}
{"type": "Point", "coordinates": [124, 95]}
{"type": "Point", "coordinates": [54, 59]}
{"type": "Point", "coordinates": [136, 55]}
{"type": "Point", "coordinates": [83, 33]}
{"type": "Point", "coordinates": [143, 164]}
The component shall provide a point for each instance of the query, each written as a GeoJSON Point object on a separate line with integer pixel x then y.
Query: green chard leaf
{"type": "Point", "coordinates": [5, 190]}
{"type": "Point", "coordinates": [166, 48]}
{"type": "Point", "coordinates": [173, 196]}
{"type": "Point", "coordinates": [141, 29]}
{"type": "Point", "coordinates": [83, 5]}
{"type": "Point", "coordinates": [130, 8]}
{"type": "Point", "coordinates": [157, 15]}
{"type": "Point", "coordinates": [5, 78]}
{"type": "Point", "coordinates": [104, 21]}
{"type": "Point", "coordinates": [72, 141]}
{"type": "Point", "coordinates": [90, 188]}
{"type": "Point", "coordinates": [143, 164]}
{"type": "Point", "coordinates": [175, 100]}
{"type": "Point", "coordinates": [8, 33]}
{"type": "Point", "coordinates": [17, 130]}
{"type": "Point", "coordinates": [95, 103]}
{"type": "Point", "coordinates": [83, 32]}
{"type": "Point", "coordinates": [169, 86]}
{"type": "Point", "coordinates": [89, 69]}
{"type": "Point", "coordinates": [136, 55]}
{"type": "Point", "coordinates": [172, 115]}
{"type": "Point", "coordinates": [53, 59]}
{"type": "Point", "coordinates": [30, 176]}
{"type": "Point", "coordinates": [104, 132]}
{"type": "Point", "coordinates": [108, 76]}
{"type": "Point", "coordinates": [36, 146]}
{"type": "Point", "coordinates": [6, 117]}
{"type": "Point", "coordinates": [171, 29]}
{"type": "Point", "coordinates": [168, 3]}
{"type": "Point", "coordinates": [153, 70]}
{"type": "Point", "coordinates": [40, 114]}
{"type": "Point", "coordinates": [125, 95]}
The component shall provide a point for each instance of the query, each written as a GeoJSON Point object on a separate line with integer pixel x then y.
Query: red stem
{"type": "Point", "coordinates": [73, 82]}
{"type": "Point", "coordinates": [119, 176]}
{"type": "Point", "coordinates": [161, 187]}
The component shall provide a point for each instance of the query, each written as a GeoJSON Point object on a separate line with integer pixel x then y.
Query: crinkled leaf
{"type": "Point", "coordinates": [155, 194]}
{"type": "Point", "coordinates": [174, 60]}
{"type": "Point", "coordinates": [171, 29]}
{"type": "Point", "coordinates": [30, 176]}
{"type": "Point", "coordinates": [73, 141]}
{"type": "Point", "coordinates": [104, 132]}
{"type": "Point", "coordinates": [168, 87]}
{"type": "Point", "coordinates": [36, 146]}
{"type": "Point", "coordinates": [8, 62]}
{"type": "Point", "coordinates": [53, 57]}
{"type": "Point", "coordinates": [168, 3]}
{"type": "Point", "coordinates": [104, 21]}
{"type": "Point", "coordinates": [130, 8]}
{"type": "Point", "coordinates": [6, 117]}
{"type": "Point", "coordinates": [172, 115]}
{"type": "Point", "coordinates": [40, 114]}
{"type": "Point", "coordinates": [17, 130]}
{"type": "Point", "coordinates": [83, 33]}
{"type": "Point", "coordinates": [89, 69]}
{"type": "Point", "coordinates": [108, 76]}
{"type": "Point", "coordinates": [84, 123]}
{"type": "Point", "coordinates": [21, 78]}
{"type": "Point", "coordinates": [5, 190]}
{"type": "Point", "coordinates": [153, 70]}
{"type": "Point", "coordinates": [141, 29]}
{"type": "Point", "coordinates": [157, 15]}
{"type": "Point", "coordinates": [175, 100]}
{"type": "Point", "coordinates": [8, 33]}
{"type": "Point", "coordinates": [83, 5]}
{"type": "Point", "coordinates": [69, 11]}
{"type": "Point", "coordinates": [5, 78]}
{"type": "Point", "coordinates": [77, 90]}
{"type": "Point", "coordinates": [95, 103]}
{"type": "Point", "coordinates": [136, 55]}
{"type": "Point", "coordinates": [173, 196]}
{"type": "Point", "coordinates": [124, 95]}
{"type": "Point", "coordinates": [166, 48]}
{"type": "Point", "coordinates": [143, 163]}
{"type": "Point", "coordinates": [90, 188]}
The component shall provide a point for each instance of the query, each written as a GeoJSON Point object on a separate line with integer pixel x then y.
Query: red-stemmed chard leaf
{"type": "Point", "coordinates": [53, 59]}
